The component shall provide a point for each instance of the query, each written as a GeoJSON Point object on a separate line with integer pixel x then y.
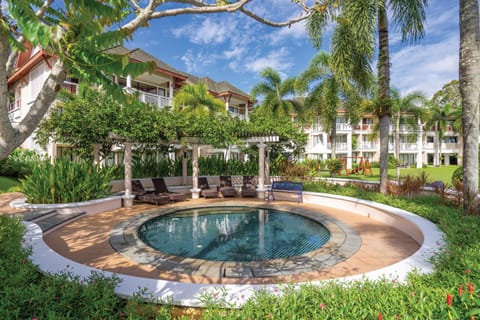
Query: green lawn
{"type": "Point", "coordinates": [7, 183]}
{"type": "Point", "coordinates": [443, 173]}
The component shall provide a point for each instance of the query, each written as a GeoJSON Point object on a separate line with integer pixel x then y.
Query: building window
{"type": "Point", "coordinates": [317, 139]}
{"type": "Point", "coordinates": [430, 139]}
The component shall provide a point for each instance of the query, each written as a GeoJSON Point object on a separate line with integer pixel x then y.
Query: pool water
{"type": "Point", "coordinates": [233, 234]}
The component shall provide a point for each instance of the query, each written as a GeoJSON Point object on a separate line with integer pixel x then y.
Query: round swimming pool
{"type": "Point", "coordinates": [234, 234]}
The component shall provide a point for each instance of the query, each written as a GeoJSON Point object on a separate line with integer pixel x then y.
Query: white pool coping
{"type": "Point", "coordinates": [235, 295]}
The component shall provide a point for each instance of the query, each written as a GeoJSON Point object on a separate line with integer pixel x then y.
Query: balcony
{"type": "Point", "coordinates": [364, 127]}
{"type": "Point", "coordinates": [367, 146]}
{"type": "Point", "coordinates": [339, 146]}
{"type": "Point", "coordinates": [237, 115]}
{"type": "Point", "coordinates": [159, 101]}
{"type": "Point", "coordinates": [344, 127]}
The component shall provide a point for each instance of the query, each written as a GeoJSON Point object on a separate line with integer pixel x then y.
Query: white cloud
{"type": "Point", "coordinates": [286, 34]}
{"type": "Point", "coordinates": [209, 31]}
{"type": "Point", "coordinates": [196, 61]}
{"type": "Point", "coordinates": [426, 67]}
{"type": "Point", "coordinates": [236, 52]}
{"type": "Point", "coordinates": [278, 60]}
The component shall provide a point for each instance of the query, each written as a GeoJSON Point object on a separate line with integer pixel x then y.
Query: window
{"type": "Point", "coordinates": [450, 139]}
{"type": "Point", "coordinates": [317, 139]}
{"type": "Point", "coordinates": [430, 139]}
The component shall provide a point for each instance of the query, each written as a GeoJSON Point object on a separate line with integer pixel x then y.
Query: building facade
{"type": "Point", "coordinates": [418, 146]}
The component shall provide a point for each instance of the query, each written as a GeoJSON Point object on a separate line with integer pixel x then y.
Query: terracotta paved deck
{"type": "Point", "coordinates": [86, 241]}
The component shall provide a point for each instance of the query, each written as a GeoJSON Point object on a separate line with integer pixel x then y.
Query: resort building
{"type": "Point", "coordinates": [353, 142]}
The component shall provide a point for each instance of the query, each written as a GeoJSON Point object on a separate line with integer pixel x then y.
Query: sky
{"type": "Point", "coordinates": [235, 48]}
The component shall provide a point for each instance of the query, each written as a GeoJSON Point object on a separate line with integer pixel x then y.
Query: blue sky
{"type": "Point", "coordinates": [235, 48]}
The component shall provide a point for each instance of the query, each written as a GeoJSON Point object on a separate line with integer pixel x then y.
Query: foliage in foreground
{"type": "Point", "coordinates": [451, 292]}
{"type": "Point", "coordinates": [66, 181]}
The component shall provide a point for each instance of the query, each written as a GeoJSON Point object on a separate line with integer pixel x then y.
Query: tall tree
{"type": "Point", "coordinates": [196, 98]}
{"type": "Point", "coordinates": [77, 34]}
{"type": "Point", "coordinates": [470, 92]}
{"type": "Point", "coordinates": [329, 94]}
{"type": "Point", "coordinates": [407, 108]}
{"type": "Point", "coordinates": [277, 95]}
{"type": "Point", "coordinates": [353, 40]}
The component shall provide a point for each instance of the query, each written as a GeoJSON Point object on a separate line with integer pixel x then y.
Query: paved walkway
{"type": "Point", "coordinates": [86, 241]}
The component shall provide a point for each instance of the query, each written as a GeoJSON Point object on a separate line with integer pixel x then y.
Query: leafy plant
{"type": "Point", "coordinates": [334, 166]}
{"type": "Point", "coordinates": [66, 181]}
{"type": "Point", "coordinates": [19, 163]}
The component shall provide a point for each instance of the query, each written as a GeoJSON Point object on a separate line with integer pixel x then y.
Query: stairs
{"type": "Point", "coordinates": [49, 219]}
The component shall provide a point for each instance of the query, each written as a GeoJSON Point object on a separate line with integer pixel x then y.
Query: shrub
{"type": "Point", "coordinates": [19, 163]}
{"type": "Point", "coordinates": [457, 175]}
{"type": "Point", "coordinates": [334, 166]}
{"type": "Point", "coordinates": [66, 181]}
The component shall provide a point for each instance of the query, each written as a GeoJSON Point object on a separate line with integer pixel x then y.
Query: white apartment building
{"type": "Point", "coordinates": [33, 66]}
{"type": "Point", "coordinates": [159, 87]}
{"type": "Point", "coordinates": [418, 147]}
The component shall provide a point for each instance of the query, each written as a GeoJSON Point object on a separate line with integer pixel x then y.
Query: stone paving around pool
{"type": "Point", "coordinates": [82, 246]}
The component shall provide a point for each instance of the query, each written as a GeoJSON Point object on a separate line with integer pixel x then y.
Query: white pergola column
{"type": "Point", "coordinates": [96, 154]}
{"type": "Point", "coordinates": [195, 190]}
{"type": "Point", "coordinates": [184, 167]}
{"type": "Point", "coordinates": [127, 160]}
{"type": "Point", "coordinates": [261, 171]}
{"type": "Point", "coordinates": [129, 81]}
{"type": "Point", "coordinates": [53, 152]}
{"type": "Point", "coordinates": [267, 167]}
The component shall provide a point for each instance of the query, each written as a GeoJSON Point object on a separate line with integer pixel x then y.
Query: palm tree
{"type": "Point", "coordinates": [440, 116]}
{"type": "Point", "coordinates": [408, 109]}
{"type": "Point", "coordinates": [329, 94]}
{"type": "Point", "coordinates": [274, 92]}
{"type": "Point", "coordinates": [470, 91]}
{"type": "Point", "coordinates": [196, 98]}
{"type": "Point", "coordinates": [353, 48]}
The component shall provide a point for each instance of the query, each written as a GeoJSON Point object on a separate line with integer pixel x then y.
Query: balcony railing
{"type": "Point", "coordinates": [364, 127]}
{"type": "Point", "coordinates": [159, 101]}
{"type": "Point", "coordinates": [367, 146]}
{"type": "Point", "coordinates": [237, 115]}
{"type": "Point", "coordinates": [339, 146]}
{"type": "Point", "coordinates": [343, 127]}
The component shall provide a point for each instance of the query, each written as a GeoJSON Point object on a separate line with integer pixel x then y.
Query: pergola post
{"type": "Point", "coordinates": [195, 190]}
{"type": "Point", "coordinates": [127, 159]}
{"type": "Point", "coordinates": [96, 154]}
{"type": "Point", "coordinates": [261, 171]}
{"type": "Point", "coordinates": [184, 167]}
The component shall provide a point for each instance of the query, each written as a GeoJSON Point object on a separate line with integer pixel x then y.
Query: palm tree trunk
{"type": "Point", "coordinates": [397, 145]}
{"type": "Point", "coordinates": [334, 140]}
{"type": "Point", "coordinates": [470, 92]}
{"type": "Point", "coordinates": [383, 96]}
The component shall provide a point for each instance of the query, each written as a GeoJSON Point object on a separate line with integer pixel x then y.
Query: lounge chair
{"type": "Point", "coordinates": [162, 189]}
{"type": "Point", "coordinates": [249, 187]}
{"type": "Point", "coordinates": [226, 187]}
{"type": "Point", "coordinates": [143, 195]}
{"type": "Point", "coordinates": [206, 191]}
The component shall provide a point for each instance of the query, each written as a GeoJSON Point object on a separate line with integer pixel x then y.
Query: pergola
{"type": "Point", "coordinates": [261, 140]}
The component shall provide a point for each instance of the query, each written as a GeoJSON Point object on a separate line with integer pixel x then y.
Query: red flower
{"type": "Point", "coordinates": [470, 288]}
{"type": "Point", "coordinates": [379, 316]}
{"type": "Point", "coordinates": [322, 306]}
{"type": "Point", "coordinates": [468, 271]}
{"type": "Point", "coordinates": [449, 299]}
{"type": "Point", "coordinates": [460, 290]}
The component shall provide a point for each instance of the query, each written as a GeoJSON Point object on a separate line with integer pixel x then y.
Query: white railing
{"type": "Point", "coordinates": [363, 127]}
{"type": "Point", "coordinates": [237, 115]}
{"type": "Point", "coordinates": [367, 146]}
{"type": "Point", "coordinates": [343, 127]}
{"type": "Point", "coordinates": [339, 146]}
{"type": "Point", "coordinates": [408, 146]}
{"type": "Point", "coordinates": [154, 99]}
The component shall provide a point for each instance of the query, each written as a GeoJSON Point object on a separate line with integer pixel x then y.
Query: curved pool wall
{"type": "Point", "coordinates": [235, 295]}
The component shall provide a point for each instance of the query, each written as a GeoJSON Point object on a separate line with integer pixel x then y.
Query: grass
{"type": "Point", "coordinates": [8, 184]}
{"type": "Point", "coordinates": [443, 173]}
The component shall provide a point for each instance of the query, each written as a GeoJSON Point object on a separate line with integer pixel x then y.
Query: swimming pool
{"type": "Point", "coordinates": [234, 234]}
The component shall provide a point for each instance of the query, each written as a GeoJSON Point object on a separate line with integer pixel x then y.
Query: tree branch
{"type": "Point", "coordinates": [39, 13]}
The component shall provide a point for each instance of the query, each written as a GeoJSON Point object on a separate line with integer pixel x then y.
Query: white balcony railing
{"type": "Point", "coordinates": [343, 127]}
{"type": "Point", "coordinates": [367, 146]}
{"type": "Point", "coordinates": [237, 115]}
{"type": "Point", "coordinates": [154, 99]}
{"type": "Point", "coordinates": [339, 146]}
{"type": "Point", "coordinates": [363, 127]}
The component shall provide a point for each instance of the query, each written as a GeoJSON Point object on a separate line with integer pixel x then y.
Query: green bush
{"type": "Point", "coordinates": [457, 175]}
{"type": "Point", "coordinates": [334, 166]}
{"type": "Point", "coordinates": [66, 181]}
{"type": "Point", "coordinates": [19, 163]}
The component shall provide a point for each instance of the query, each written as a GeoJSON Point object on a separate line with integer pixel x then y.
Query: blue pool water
{"type": "Point", "coordinates": [233, 234]}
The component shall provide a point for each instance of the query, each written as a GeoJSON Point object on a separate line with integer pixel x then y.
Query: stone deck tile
{"type": "Point", "coordinates": [86, 241]}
